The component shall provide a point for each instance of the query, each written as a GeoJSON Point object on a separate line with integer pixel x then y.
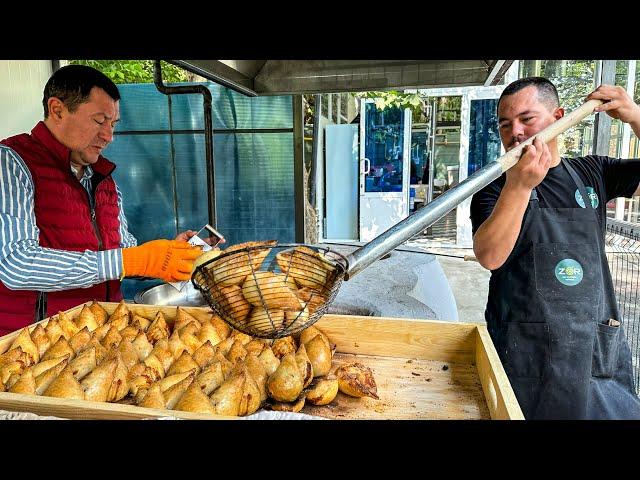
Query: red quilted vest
{"type": "Point", "coordinates": [63, 215]}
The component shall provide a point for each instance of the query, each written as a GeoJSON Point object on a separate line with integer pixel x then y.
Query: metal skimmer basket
{"type": "Point", "coordinates": [271, 290]}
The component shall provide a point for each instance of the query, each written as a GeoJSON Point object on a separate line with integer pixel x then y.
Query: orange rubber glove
{"type": "Point", "coordinates": [169, 260]}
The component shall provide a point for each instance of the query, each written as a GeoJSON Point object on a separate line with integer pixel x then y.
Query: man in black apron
{"type": "Point", "coordinates": [551, 311]}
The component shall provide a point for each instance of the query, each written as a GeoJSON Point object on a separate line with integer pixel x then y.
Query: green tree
{"type": "Point", "coordinates": [394, 98]}
{"type": "Point", "coordinates": [135, 71]}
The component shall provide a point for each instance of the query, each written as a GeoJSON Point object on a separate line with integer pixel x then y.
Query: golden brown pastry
{"type": "Point", "coordinates": [232, 268]}
{"type": "Point", "coordinates": [265, 321]}
{"type": "Point", "coordinates": [312, 299]}
{"type": "Point", "coordinates": [80, 340]}
{"type": "Point", "coordinates": [320, 356]}
{"type": "Point", "coordinates": [99, 313]}
{"type": "Point", "coordinates": [112, 337]}
{"type": "Point", "coordinates": [128, 353]}
{"type": "Point", "coordinates": [153, 398]}
{"type": "Point", "coordinates": [183, 364]}
{"type": "Point", "coordinates": [204, 355]}
{"type": "Point", "coordinates": [9, 369]}
{"type": "Point", "coordinates": [65, 386]}
{"type": "Point", "coordinates": [226, 399]}
{"type": "Point", "coordinates": [13, 355]}
{"type": "Point", "coordinates": [45, 365]}
{"type": "Point", "coordinates": [270, 290]}
{"type": "Point", "coordinates": [251, 397]}
{"type": "Point", "coordinates": [177, 346]}
{"type": "Point", "coordinates": [233, 302]}
{"type": "Point", "coordinates": [308, 267]}
{"type": "Point", "coordinates": [59, 349]}
{"type": "Point", "coordinates": [41, 340]}
{"type": "Point", "coordinates": [269, 360]}
{"type": "Point", "coordinates": [208, 333]}
{"type": "Point", "coordinates": [286, 383]}
{"type": "Point", "coordinates": [87, 319]}
{"type": "Point", "coordinates": [24, 341]}
{"type": "Point", "coordinates": [236, 352]}
{"type": "Point", "coordinates": [309, 333]}
{"type": "Point", "coordinates": [173, 393]}
{"type": "Point", "coordinates": [97, 383]}
{"type": "Point", "coordinates": [158, 329]}
{"type": "Point", "coordinates": [256, 369]}
{"type": "Point", "coordinates": [255, 346]}
{"type": "Point", "coordinates": [53, 330]}
{"type": "Point", "coordinates": [283, 346]}
{"type": "Point", "coordinates": [44, 379]}
{"type": "Point", "coordinates": [323, 391]}
{"type": "Point", "coordinates": [68, 326]}
{"type": "Point", "coordinates": [26, 384]}
{"type": "Point", "coordinates": [142, 346]}
{"type": "Point", "coordinates": [183, 318]}
{"type": "Point", "coordinates": [356, 380]}
{"type": "Point", "coordinates": [294, 406]}
{"type": "Point", "coordinates": [191, 341]}
{"type": "Point", "coordinates": [222, 327]}
{"type": "Point", "coordinates": [83, 363]}
{"type": "Point", "coordinates": [139, 322]}
{"type": "Point", "coordinates": [194, 400]}
{"type": "Point", "coordinates": [210, 378]}
{"type": "Point", "coordinates": [120, 311]}
{"type": "Point", "coordinates": [130, 332]}
{"type": "Point", "coordinates": [304, 365]}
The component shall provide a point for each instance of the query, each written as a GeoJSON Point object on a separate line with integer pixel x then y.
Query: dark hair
{"type": "Point", "coordinates": [547, 92]}
{"type": "Point", "coordinates": [72, 84]}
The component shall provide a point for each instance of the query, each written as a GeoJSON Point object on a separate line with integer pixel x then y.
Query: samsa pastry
{"type": "Point", "coordinates": [232, 268]}
{"type": "Point", "coordinates": [323, 391]}
{"type": "Point", "coordinates": [270, 290]}
{"type": "Point", "coordinates": [356, 380]}
{"type": "Point", "coordinates": [261, 320]}
{"type": "Point", "coordinates": [233, 302]}
{"type": "Point", "coordinates": [311, 299]}
{"type": "Point", "coordinates": [195, 400]}
{"type": "Point", "coordinates": [87, 319]}
{"type": "Point", "coordinates": [24, 341]}
{"type": "Point", "coordinates": [183, 318]}
{"type": "Point", "coordinates": [308, 267]}
{"type": "Point", "coordinates": [41, 340]}
{"type": "Point", "coordinates": [286, 383]}
{"type": "Point", "coordinates": [99, 313]}
{"type": "Point", "coordinates": [65, 385]}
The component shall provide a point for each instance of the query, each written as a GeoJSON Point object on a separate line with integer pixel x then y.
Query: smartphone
{"type": "Point", "coordinates": [215, 238]}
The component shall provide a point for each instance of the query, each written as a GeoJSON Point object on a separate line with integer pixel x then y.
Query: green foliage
{"type": "Point", "coordinates": [394, 98]}
{"type": "Point", "coordinates": [135, 71]}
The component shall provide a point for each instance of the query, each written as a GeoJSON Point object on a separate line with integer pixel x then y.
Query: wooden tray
{"type": "Point", "coordinates": [424, 369]}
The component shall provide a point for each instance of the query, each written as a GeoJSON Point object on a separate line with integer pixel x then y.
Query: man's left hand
{"type": "Point", "coordinates": [618, 104]}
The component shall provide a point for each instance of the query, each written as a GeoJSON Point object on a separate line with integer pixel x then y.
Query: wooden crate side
{"type": "Point", "coordinates": [87, 410]}
{"type": "Point", "coordinates": [400, 337]}
{"type": "Point", "coordinates": [501, 400]}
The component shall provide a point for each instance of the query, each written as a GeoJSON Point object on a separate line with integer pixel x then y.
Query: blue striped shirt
{"type": "Point", "coordinates": [24, 264]}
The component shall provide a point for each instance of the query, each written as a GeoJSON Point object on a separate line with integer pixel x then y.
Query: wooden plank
{"type": "Point", "coordinates": [498, 393]}
{"type": "Point", "coordinates": [400, 337]}
{"type": "Point", "coordinates": [411, 389]}
{"type": "Point", "coordinates": [84, 409]}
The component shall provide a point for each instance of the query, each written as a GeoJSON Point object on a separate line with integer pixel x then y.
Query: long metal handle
{"type": "Point", "coordinates": [434, 211]}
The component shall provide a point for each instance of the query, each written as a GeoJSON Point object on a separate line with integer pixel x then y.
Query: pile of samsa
{"type": "Point", "coordinates": [260, 301]}
{"type": "Point", "coordinates": [192, 365]}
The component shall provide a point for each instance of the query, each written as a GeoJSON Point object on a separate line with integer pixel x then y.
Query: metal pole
{"type": "Point", "coordinates": [208, 133]}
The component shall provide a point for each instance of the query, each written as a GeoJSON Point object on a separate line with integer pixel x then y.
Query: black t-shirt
{"type": "Point", "coordinates": [604, 177]}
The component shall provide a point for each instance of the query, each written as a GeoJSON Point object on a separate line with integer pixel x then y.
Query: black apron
{"type": "Point", "coordinates": [548, 315]}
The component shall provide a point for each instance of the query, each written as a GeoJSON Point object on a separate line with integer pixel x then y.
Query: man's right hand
{"type": "Point", "coordinates": [169, 260]}
{"type": "Point", "coordinates": [532, 167]}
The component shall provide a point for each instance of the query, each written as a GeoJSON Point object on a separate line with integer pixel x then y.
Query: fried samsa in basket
{"type": "Point", "coordinates": [270, 290]}
{"type": "Point", "coordinates": [233, 269]}
{"type": "Point", "coordinates": [307, 267]}
{"type": "Point", "coordinates": [233, 302]}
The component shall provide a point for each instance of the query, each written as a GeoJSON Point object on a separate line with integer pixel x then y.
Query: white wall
{"type": "Point", "coordinates": [21, 85]}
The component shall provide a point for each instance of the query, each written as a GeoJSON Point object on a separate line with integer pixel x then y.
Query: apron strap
{"type": "Point", "coordinates": [583, 190]}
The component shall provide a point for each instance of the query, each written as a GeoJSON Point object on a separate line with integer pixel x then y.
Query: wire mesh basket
{"type": "Point", "coordinates": [269, 290]}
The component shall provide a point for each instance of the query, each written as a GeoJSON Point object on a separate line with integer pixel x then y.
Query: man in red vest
{"type": "Point", "coordinates": [63, 234]}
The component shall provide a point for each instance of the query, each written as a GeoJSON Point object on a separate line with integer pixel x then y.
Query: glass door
{"type": "Point", "coordinates": [385, 140]}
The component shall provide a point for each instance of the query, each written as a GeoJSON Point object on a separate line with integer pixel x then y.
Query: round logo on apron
{"type": "Point", "coordinates": [592, 195]}
{"type": "Point", "coordinates": [569, 272]}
